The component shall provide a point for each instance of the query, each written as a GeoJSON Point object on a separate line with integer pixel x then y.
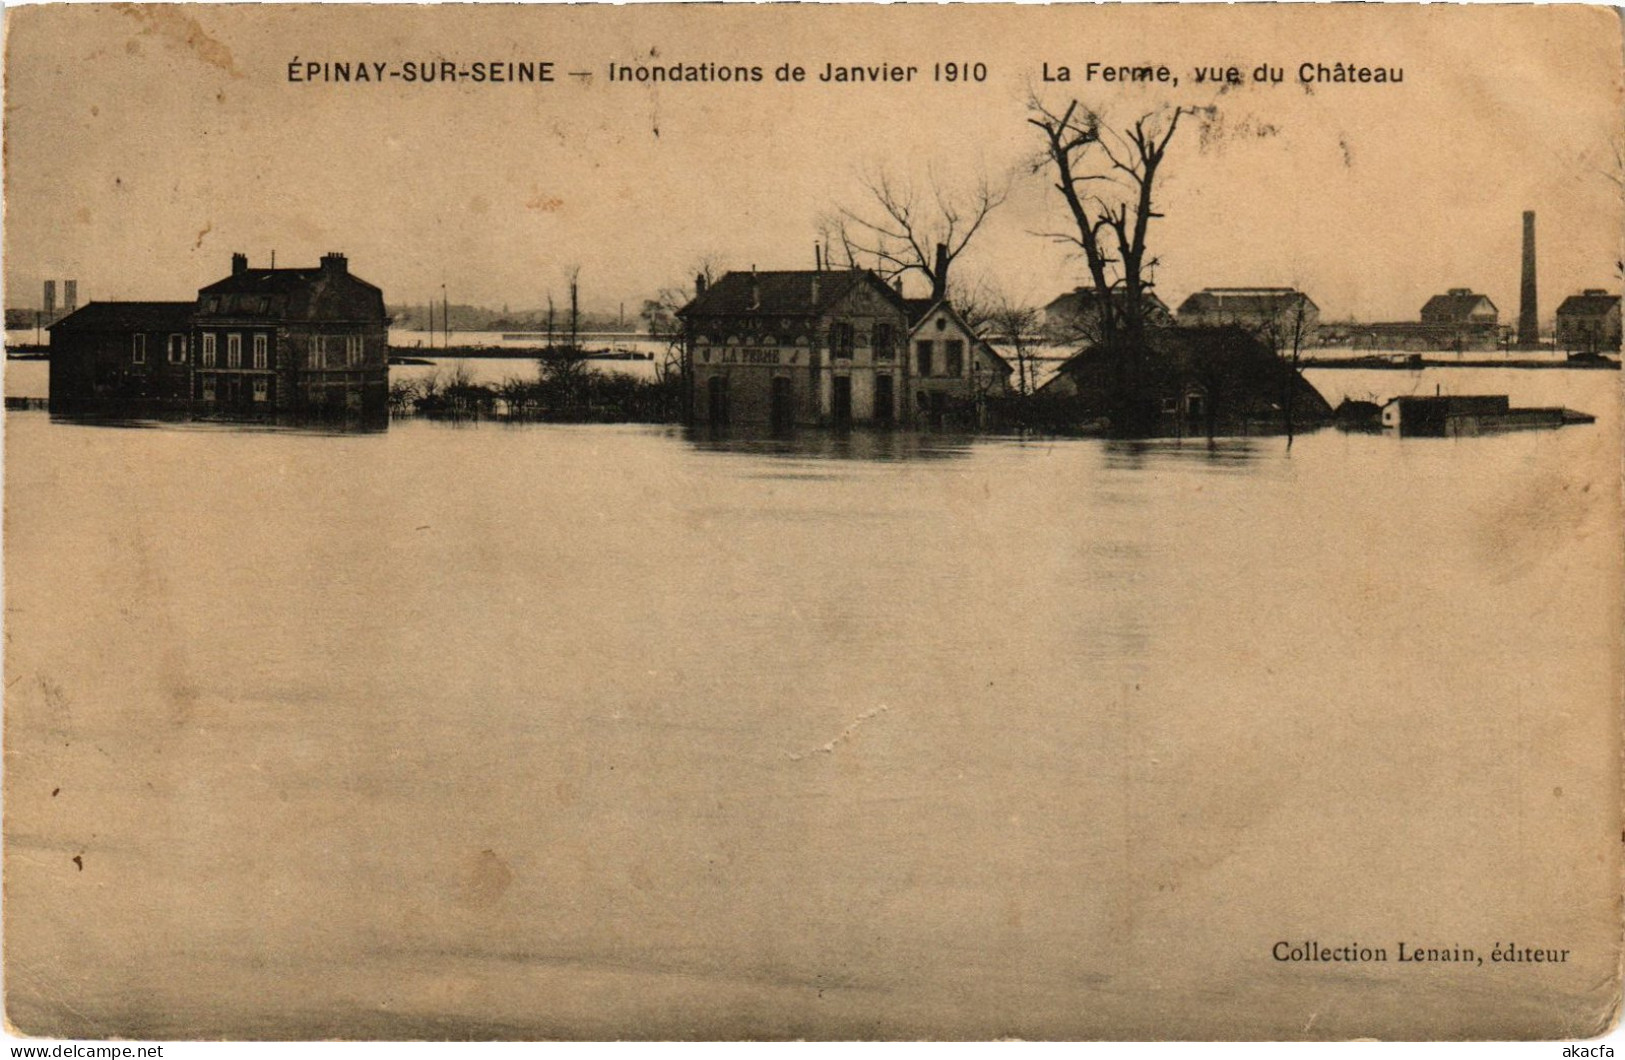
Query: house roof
{"type": "Point", "coordinates": [128, 316]}
{"type": "Point", "coordinates": [800, 292]}
{"type": "Point", "coordinates": [1245, 301]}
{"type": "Point", "coordinates": [1225, 338]}
{"type": "Point", "coordinates": [1456, 305]}
{"type": "Point", "coordinates": [300, 294]}
{"type": "Point", "coordinates": [276, 281]}
{"type": "Point", "coordinates": [918, 309]}
{"type": "Point", "coordinates": [1590, 303]}
{"type": "Point", "coordinates": [1081, 300]}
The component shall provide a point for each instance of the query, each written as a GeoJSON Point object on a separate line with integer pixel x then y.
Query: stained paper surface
{"type": "Point", "coordinates": [507, 722]}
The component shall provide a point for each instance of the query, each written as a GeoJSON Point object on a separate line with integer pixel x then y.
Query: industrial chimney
{"type": "Point", "coordinates": [1528, 305]}
{"type": "Point", "coordinates": [70, 295]}
{"type": "Point", "coordinates": [50, 299]}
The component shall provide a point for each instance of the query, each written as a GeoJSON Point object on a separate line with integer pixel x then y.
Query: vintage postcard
{"type": "Point", "coordinates": [812, 522]}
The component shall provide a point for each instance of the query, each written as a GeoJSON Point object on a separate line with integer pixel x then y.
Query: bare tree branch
{"type": "Point", "coordinates": [901, 229]}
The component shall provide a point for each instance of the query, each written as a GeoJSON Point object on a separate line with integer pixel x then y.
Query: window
{"type": "Point", "coordinates": [177, 349]}
{"type": "Point", "coordinates": [318, 351]}
{"type": "Point", "coordinates": [923, 350]}
{"type": "Point", "coordinates": [262, 388]}
{"type": "Point", "coordinates": [138, 349]}
{"type": "Point", "coordinates": [352, 350]}
{"type": "Point", "coordinates": [953, 357]}
{"type": "Point", "coordinates": [208, 349]}
{"type": "Point", "coordinates": [841, 338]}
{"type": "Point", "coordinates": [883, 342]}
{"type": "Point", "coordinates": [262, 351]}
{"type": "Point", "coordinates": [207, 382]}
{"type": "Point", "coordinates": [234, 350]}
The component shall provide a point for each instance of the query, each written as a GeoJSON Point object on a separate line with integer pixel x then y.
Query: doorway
{"type": "Point", "coordinates": [843, 401]}
{"type": "Point", "coordinates": [883, 400]}
{"type": "Point", "coordinates": [782, 412]}
{"type": "Point", "coordinates": [716, 405]}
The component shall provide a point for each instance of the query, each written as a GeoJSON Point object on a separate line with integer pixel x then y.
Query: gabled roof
{"type": "Point", "coordinates": [1590, 303]}
{"type": "Point", "coordinates": [920, 308]}
{"type": "Point", "coordinates": [1247, 301]}
{"type": "Point", "coordinates": [1082, 300]}
{"type": "Point", "coordinates": [800, 292]}
{"type": "Point", "coordinates": [1456, 305]}
{"type": "Point", "coordinates": [128, 316]}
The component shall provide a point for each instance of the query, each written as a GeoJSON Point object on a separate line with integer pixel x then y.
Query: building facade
{"type": "Point", "coordinates": [952, 371]}
{"type": "Point", "coordinates": [831, 348]}
{"type": "Point", "coordinates": [259, 342]}
{"type": "Point", "coordinates": [1589, 322]}
{"type": "Point", "coordinates": [1274, 314]}
{"type": "Point", "coordinates": [122, 355]}
{"type": "Point", "coordinates": [1460, 305]}
{"type": "Point", "coordinates": [795, 348]}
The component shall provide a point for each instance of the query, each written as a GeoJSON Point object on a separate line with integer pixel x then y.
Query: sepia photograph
{"type": "Point", "coordinates": [849, 522]}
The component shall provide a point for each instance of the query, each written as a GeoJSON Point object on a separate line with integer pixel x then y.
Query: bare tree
{"type": "Point", "coordinates": [660, 317]}
{"type": "Point", "coordinates": [1108, 179]}
{"type": "Point", "coordinates": [906, 230]}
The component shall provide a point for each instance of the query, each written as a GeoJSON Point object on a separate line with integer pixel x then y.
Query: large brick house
{"type": "Point", "coordinates": [269, 341]}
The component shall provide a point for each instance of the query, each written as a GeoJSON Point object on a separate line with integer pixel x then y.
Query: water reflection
{"type": "Point", "coordinates": [855, 444]}
{"type": "Point", "coordinates": [1229, 454]}
{"type": "Point", "coordinates": [280, 424]}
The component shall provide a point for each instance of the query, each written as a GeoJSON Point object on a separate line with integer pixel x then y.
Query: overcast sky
{"type": "Point", "coordinates": [144, 146]}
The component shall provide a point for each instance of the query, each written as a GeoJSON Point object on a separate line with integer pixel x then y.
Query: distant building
{"type": "Point", "coordinates": [1076, 313]}
{"type": "Point", "coordinates": [1271, 313]}
{"type": "Point", "coordinates": [1589, 322]}
{"type": "Point", "coordinates": [1460, 305]}
{"type": "Point", "coordinates": [1458, 320]}
{"type": "Point", "coordinates": [260, 341]}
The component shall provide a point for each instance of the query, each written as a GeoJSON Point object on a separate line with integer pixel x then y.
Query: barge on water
{"type": "Point", "coordinates": [1460, 415]}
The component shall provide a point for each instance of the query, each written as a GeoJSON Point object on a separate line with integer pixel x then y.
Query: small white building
{"type": "Point", "coordinates": [952, 370]}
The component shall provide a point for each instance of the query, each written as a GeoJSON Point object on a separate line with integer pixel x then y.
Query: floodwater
{"type": "Point", "coordinates": [611, 732]}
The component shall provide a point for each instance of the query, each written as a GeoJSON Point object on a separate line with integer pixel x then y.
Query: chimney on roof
{"type": "Point", "coordinates": [1461, 290]}
{"type": "Point", "coordinates": [699, 284]}
{"type": "Point", "coordinates": [939, 279]}
{"type": "Point", "coordinates": [335, 262]}
{"type": "Point", "coordinates": [1596, 290]}
{"type": "Point", "coordinates": [818, 258]}
{"type": "Point", "coordinates": [239, 264]}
